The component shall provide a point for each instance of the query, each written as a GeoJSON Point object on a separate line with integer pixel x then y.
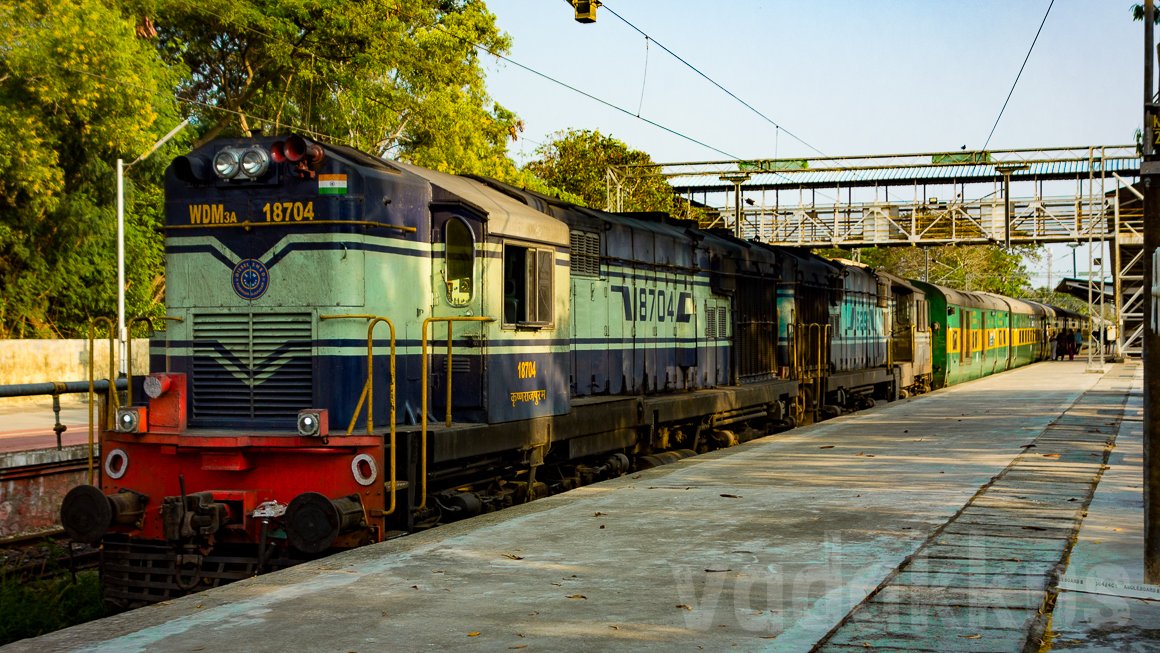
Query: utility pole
{"type": "Point", "coordinates": [122, 331]}
{"type": "Point", "coordinates": [736, 179]}
{"type": "Point", "coordinates": [1150, 178]}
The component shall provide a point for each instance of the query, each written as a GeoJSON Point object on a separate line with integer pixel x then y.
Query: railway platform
{"type": "Point", "coordinates": [1004, 514]}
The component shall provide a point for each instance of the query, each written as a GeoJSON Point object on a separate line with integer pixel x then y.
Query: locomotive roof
{"type": "Point", "coordinates": [896, 280]}
{"type": "Point", "coordinates": [505, 216]}
{"type": "Point", "coordinates": [968, 298]}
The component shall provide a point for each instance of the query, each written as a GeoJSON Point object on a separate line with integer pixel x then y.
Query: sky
{"type": "Point", "coordinates": [884, 77]}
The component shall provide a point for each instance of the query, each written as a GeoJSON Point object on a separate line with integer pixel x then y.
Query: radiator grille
{"type": "Point", "coordinates": [248, 366]}
{"type": "Point", "coordinates": [585, 254]}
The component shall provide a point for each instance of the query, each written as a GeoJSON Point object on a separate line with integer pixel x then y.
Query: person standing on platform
{"type": "Point", "coordinates": [1064, 341]}
{"type": "Point", "coordinates": [1078, 343]}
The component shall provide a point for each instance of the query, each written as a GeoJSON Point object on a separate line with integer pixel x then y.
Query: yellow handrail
{"type": "Point", "coordinates": [423, 392]}
{"type": "Point", "coordinates": [111, 394]}
{"type": "Point", "coordinates": [129, 349]}
{"type": "Point", "coordinates": [368, 393]}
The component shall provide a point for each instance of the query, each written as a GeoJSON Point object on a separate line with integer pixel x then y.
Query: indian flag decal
{"type": "Point", "coordinates": [332, 184]}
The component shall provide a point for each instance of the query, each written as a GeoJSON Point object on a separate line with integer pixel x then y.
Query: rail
{"type": "Point", "coordinates": [368, 394]}
{"type": "Point", "coordinates": [423, 407]}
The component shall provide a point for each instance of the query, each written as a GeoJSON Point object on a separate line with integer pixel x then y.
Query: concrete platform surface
{"type": "Point", "coordinates": [1109, 608]}
{"type": "Point", "coordinates": [957, 507]}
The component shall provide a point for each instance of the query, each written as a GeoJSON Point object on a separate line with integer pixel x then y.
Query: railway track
{"type": "Point", "coordinates": [45, 555]}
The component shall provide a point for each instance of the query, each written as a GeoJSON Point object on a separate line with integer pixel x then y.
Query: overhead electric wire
{"type": "Point", "coordinates": [1013, 85]}
{"type": "Point", "coordinates": [710, 79]}
{"type": "Point", "coordinates": [605, 102]}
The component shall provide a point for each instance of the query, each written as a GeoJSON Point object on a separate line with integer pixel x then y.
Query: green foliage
{"type": "Point", "coordinates": [1138, 14]}
{"type": "Point", "coordinates": [396, 79]}
{"type": "Point", "coordinates": [78, 89]}
{"type": "Point", "coordinates": [973, 267]}
{"type": "Point", "coordinates": [578, 161]}
{"type": "Point", "coordinates": [39, 607]}
{"type": "Point", "coordinates": [85, 82]}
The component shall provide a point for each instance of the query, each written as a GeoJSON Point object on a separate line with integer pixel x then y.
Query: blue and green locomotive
{"type": "Point", "coordinates": [358, 348]}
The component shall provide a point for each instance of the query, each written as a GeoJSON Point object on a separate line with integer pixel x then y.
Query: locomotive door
{"type": "Point", "coordinates": [645, 332]}
{"type": "Point", "coordinates": [902, 327]}
{"type": "Point", "coordinates": [457, 279]}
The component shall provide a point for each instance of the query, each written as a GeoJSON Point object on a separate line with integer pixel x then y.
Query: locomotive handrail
{"type": "Point", "coordinates": [129, 350]}
{"type": "Point", "coordinates": [368, 393]}
{"type": "Point", "coordinates": [803, 337]}
{"type": "Point", "coordinates": [248, 225]}
{"type": "Point", "coordinates": [423, 408]}
{"type": "Point", "coordinates": [110, 396]}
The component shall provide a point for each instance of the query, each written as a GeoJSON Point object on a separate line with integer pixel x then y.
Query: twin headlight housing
{"type": "Point", "coordinates": [250, 162]}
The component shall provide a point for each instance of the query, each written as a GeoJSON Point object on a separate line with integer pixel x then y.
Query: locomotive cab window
{"type": "Point", "coordinates": [528, 274]}
{"type": "Point", "coordinates": [459, 262]}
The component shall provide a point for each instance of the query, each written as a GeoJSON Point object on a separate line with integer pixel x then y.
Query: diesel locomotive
{"type": "Point", "coordinates": [358, 348]}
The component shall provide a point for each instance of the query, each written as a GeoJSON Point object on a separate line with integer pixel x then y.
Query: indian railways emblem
{"type": "Point", "coordinates": [251, 278]}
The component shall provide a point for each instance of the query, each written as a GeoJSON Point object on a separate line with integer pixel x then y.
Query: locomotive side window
{"type": "Point", "coordinates": [527, 282]}
{"type": "Point", "coordinates": [459, 262]}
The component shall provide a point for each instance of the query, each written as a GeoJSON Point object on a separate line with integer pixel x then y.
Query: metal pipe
{"type": "Point", "coordinates": [111, 382]}
{"type": "Point", "coordinates": [57, 388]}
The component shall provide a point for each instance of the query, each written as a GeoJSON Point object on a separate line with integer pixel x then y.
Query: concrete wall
{"type": "Point", "coordinates": [40, 361]}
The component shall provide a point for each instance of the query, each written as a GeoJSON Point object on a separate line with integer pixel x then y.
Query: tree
{"type": "Point", "coordinates": [78, 89]}
{"type": "Point", "coordinates": [401, 79]}
{"type": "Point", "coordinates": [577, 161]}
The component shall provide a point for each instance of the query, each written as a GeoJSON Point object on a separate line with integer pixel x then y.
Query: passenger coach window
{"type": "Point", "coordinates": [459, 262]}
{"type": "Point", "coordinates": [528, 274]}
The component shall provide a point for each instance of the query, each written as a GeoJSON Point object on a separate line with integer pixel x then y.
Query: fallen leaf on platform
{"type": "Point", "coordinates": [474, 633]}
{"type": "Point", "coordinates": [717, 571]}
{"type": "Point", "coordinates": [576, 596]}
{"type": "Point", "coordinates": [975, 636]}
{"type": "Point", "coordinates": [614, 627]}
{"type": "Point", "coordinates": [512, 556]}
{"type": "Point", "coordinates": [826, 446]}
{"type": "Point", "coordinates": [1051, 455]}
{"type": "Point", "coordinates": [1027, 446]}
{"type": "Point", "coordinates": [598, 514]}
{"type": "Point", "coordinates": [685, 607]}
{"type": "Point", "coordinates": [731, 496]}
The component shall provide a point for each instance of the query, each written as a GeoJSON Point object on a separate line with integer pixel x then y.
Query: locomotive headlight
{"type": "Point", "coordinates": [255, 162]}
{"type": "Point", "coordinates": [226, 163]}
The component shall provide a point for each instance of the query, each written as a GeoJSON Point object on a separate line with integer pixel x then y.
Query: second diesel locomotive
{"type": "Point", "coordinates": [360, 348]}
